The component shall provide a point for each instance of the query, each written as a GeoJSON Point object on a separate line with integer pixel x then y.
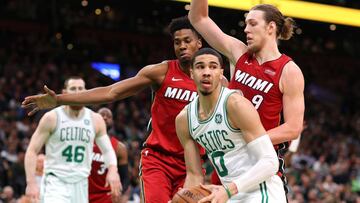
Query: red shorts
{"type": "Point", "coordinates": [161, 176]}
{"type": "Point", "coordinates": [100, 198]}
{"type": "Point", "coordinates": [215, 178]}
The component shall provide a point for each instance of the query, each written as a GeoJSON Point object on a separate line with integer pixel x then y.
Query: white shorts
{"type": "Point", "coordinates": [54, 190]}
{"type": "Point", "coordinates": [269, 191]}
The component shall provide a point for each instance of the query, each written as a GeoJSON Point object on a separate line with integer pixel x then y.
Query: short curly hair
{"type": "Point", "coordinates": [181, 23]}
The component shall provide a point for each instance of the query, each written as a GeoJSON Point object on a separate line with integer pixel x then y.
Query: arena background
{"type": "Point", "coordinates": [43, 42]}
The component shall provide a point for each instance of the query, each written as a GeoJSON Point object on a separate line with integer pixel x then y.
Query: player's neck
{"type": "Point", "coordinates": [185, 67]}
{"type": "Point", "coordinates": [74, 112]}
{"type": "Point", "coordinates": [207, 104]}
{"type": "Point", "coordinates": [269, 52]}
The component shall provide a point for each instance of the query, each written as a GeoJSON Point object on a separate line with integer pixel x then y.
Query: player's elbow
{"type": "Point", "coordinates": [112, 95]}
{"type": "Point", "coordinates": [272, 164]}
{"type": "Point", "coordinates": [195, 18]}
{"type": "Point", "coordinates": [296, 131]}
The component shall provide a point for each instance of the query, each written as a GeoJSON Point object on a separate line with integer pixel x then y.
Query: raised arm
{"type": "Point", "coordinates": [229, 46]}
{"type": "Point", "coordinates": [292, 87]}
{"type": "Point", "coordinates": [146, 77]}
{"type": "Point", "coordinates": [38, 139]}
{"type": "Point", "coordinates": [194, 175]}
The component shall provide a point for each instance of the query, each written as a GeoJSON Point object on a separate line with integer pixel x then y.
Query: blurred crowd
{"type": "Point", "coordinates": [43, 42]}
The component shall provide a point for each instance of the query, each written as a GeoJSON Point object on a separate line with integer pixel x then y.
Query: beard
{"type": "Point", "coordinates": [253, 49]}
{"type": "Point", "coordinates": [184, 62]}
{"type": "Point", "coordinates": [76, 108]}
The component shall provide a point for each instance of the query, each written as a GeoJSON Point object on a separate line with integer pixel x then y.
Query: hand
{"type": "Point", "coordinates": [41, 101]}
{"type": "Point", "coordinates": [113, 179]}
{"type": "Point", "coordinates": [218, 194]}
{"type": "Point", "coordinates": [32, 191]}
{"type": "Point", "coordinates": [178, 191]}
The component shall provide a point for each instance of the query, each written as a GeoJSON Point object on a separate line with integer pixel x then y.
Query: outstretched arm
{"type": "Point", "coordinates": [229, 46]}
{"type": "Point", "coordinates": [194, 175]}
{"type": "Point", "coordinates": [292, 86]}
{"type": "Point", "coordinates": [149, 75]}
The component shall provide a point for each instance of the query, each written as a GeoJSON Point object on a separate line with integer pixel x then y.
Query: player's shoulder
{"type": "Point", "coordinates": [236, 100]}
{"type": "Point", "coordinates": [291, 69]}
{"type": "Point", "coordinates": [164, 65]}
{"type": "Point", "coordinates": [50, 116]}
{"type": "Point", "coordinates": [154, 71]}
{"type": "Point", "coordinates": [48, 120]}
{"type": "Point", "coordinates": [96, 117]}
{"type": "Point", "coordinates": [291, 75]}
{"type": "Point", "coordinates": [182, 116]}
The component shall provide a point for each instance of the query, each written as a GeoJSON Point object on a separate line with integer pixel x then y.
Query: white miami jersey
{"type": "Point", "coordinates": [69, 147]}
{"type": "Point", "coordinates": [224, 145]}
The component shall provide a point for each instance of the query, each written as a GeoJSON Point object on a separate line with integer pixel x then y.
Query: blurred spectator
{"type": "Point", "coordinates": [43, 43]}
{"type": "Point", "coordinates": [7, 195]}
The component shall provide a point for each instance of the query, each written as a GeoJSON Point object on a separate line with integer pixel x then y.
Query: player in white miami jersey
{"type": "Point", "coordinates": [228, 126]}
{"type": "Point", "coordinates": [68, 133]}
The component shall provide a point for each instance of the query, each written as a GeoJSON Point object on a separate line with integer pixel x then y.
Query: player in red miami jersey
{"type": "Point", "coordinates": [98, 192]}
{"type": "Point", "coordinates": [162, 159]}
{"type": "Point", "coordinates": [269, 79]}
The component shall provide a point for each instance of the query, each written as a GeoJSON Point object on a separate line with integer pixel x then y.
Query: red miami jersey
{"type": "Point", "coordinates": [260, 84]}
{"type": "Point", "coordinates": [175, 92]}
{"type": "Point", "coordinates": [99, 171]}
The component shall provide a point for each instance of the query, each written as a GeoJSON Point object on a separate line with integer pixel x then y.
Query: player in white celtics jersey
{"type": "Point", "coordinates": [227, 125]}
{"type": "Point", "coordinates": [68, 133]}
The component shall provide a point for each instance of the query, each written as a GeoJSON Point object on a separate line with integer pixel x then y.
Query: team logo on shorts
{"type": "Point", "coordinates": [87, 122]}
{"type": "Point", "coordinates": [218, 118]}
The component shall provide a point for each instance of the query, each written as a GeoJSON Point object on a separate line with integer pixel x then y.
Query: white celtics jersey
{"type": "Point", "coordinates": [69, 147]}
{"type": "Point", "coordinates": [224, 145]}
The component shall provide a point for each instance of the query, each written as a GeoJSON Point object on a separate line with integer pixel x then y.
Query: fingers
{"type": "Point", "coordinates": [120, 187]}
{"type": "Point", "coordinates": [207, 187]}
{"type": "Point", "coordinates": [36, 109]}
{"type": "Point", "coordinates": [115, 189]}
{"type": "Point", "coordinates": [27, 105]}
{"type": "Point", "coordinates": [27, 100]}
{"type": "Point", "coordinates": [49, 91]}
{"type": "Point", "coordinates": [207, 198]}
{"type": "Point", "coordinates": [35, 197]}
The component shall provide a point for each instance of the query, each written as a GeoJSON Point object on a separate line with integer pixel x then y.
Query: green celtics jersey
{"type": "Point", "coordinates": [69, 147]}
{"type": "Point", "coordinates": [224, 145]}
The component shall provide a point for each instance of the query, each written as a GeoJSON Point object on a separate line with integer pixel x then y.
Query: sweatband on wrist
{"type": "Point", "coordinates": [107, 150]}
{"type": "Point", "coordinates": [266, 164]}
{"type": "Point", "coordinates": [227, 191]}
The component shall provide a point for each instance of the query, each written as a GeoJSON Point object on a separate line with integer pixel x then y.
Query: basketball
{"type": "Point", "coordinates": [190, 195]}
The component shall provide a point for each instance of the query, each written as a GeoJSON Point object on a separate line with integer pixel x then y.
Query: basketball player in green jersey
{"type": "Point", "coordinates": [68, 133]}
{"type": "Point", "coordinates": [228, 126]}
